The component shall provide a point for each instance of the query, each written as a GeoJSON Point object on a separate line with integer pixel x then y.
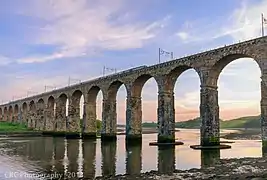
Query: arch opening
{"type": "Point", "coordinates": [117, 92]}
{"type": "Point", "coordinates": [223, 63]}
{"type": "Point", "coordinates": [16, 113]}
{"type": "Point", "coordinates": [50, 123]}
{"type": "Point", "coordinates": [5, 114]}
{"type": "Point", "coordinates": [61, 112]}
{"type": "Point", "coordinates": [1, 114]}
{"type": "Point", "coordinates": [10, 114]}
{"type": "Point", "coordinates": [94, 111]}
{"type": "Point", "coordinates": [239, 89]}
{"type": "Point", "coordinates": [145, 88]}
{"type": "Point", "coordinates": [186, 97]}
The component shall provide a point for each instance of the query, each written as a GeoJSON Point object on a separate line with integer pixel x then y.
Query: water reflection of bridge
{"type": "Point", "coordinates": [77, 158]}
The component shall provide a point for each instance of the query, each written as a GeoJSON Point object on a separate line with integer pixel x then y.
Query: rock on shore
{"type": "Point", "coordinates": [225, 169]}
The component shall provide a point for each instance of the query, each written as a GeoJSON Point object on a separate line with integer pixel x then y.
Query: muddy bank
{"type": "Point", "coordinates": [226, 169]}
{"type": "Point", "coordinates": [243, 134]}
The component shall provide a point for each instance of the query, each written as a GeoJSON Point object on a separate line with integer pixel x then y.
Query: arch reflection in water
{"type": "Point", "coordinates": [59, 149]}
{"type": "Point", "coordinates": [133, 159]}
{"type": "Point", "coordinates": [264, 149]}
{"type": "Point", "coordinates": [209, 157]}
{"type": "Point", "coordinates": [72, 152]}
{"type": "Point", "coordinates": [108, 150]}
{"type": "Point", "coordinates": [89, 158]}
{"type": "Point", "coordinates": [166, 159]}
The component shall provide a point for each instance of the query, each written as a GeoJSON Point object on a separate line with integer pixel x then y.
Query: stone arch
{"type": "Point", "coordinates": [25, 112]}
{"type": "Point", "coordinates": [113, 89]}
{"type": "Point", "coordinates": [10, 113]}
{"type": "Point", "coordinates": [139, 83]}
{"type": "Point", "coordinates": [74, 123]}
{"type": "Point", "coordinates": [32, 106]}
{"type": "Point", "coordinates": [90, 110]}
{"type": "Point", "coordinates": [5, 114]}
{"type": "Point", "coordinates": [92, 94]}
{"type": "Point", "coordinates": [217, 68]}
{"type": "Point", "coordinates": [50, 114]}
{"type": "Point", "coordinates": [16, 112]}
{"type": "Point", "coordinates": [1, 114]}
{"type": "Point", "coordinates": [32, 114]}
{"type": "Point", "coordinates": [40, 114]}
{"type": "Point", "coordinates": [75, 97]}
{"type": "Point", "coordinates": [61, 118]}
{"type": "Point", "coordinates": [171, 78]}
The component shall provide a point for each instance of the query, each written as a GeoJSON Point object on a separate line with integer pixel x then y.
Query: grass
{"type": "Point", "coordinates": [242, 122]}
{"type": "Point", "coordinates": [13, 127]}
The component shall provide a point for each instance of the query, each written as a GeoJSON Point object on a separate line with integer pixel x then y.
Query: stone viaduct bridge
{"type": "Point", "coordinates": [46, 112]}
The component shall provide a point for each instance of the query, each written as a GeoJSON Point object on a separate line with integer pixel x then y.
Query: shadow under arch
{"type": "Point", "coordinates": [10, 114]}
{"type": "Point", "coordinates": [73, 123]}
{"type": "Point", "coordinates": [1, 114]}
{"type": "Point", "coordinates": [25, 113]}
{"type": "Point", "coordinates": [50, 115]}
{"type": "Point", "coordinates": [61, 110]}
{"type": "Point", "coordinates": [40, 115]}
{"type": "Point", "coordinates": [32, 113]}
{"type": "Point", "coordinates": [16, 113]}
{"type": "Point", "coordinates": [5, 114]}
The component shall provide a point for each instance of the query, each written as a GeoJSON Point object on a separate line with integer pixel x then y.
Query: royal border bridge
{"type": "Point", "coordinates": [46, 112]}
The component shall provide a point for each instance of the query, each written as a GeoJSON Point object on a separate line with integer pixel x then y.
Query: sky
{"type": "Point", "coordinates": [43, 43]}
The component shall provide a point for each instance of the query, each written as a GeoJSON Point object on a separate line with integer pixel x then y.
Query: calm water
{"type": "Point", "coordinates": [28, 157]}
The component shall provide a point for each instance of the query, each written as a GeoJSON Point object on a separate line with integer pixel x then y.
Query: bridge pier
{"type": "Point", "coordinates": [134, 120]}
{"type": "Point", "coordinates": [209, 113]}
{"type": "Point", "coordinates": [73, 120]}
{"type": "Point", "coordinates": [264, 111]}
{"type": "Point", "coordinates": [166, 117]}
{"type": "Point", "coordinates": [89, 123]}
{"type": "Point", "coordinates": [49, 121]}
{"type": "Point", "coordinates": [109, 120]}
{"type": "Point", "coordinates": [60, 124]}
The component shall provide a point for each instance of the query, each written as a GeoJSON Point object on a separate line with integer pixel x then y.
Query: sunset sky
{"type": "Point", "coordinates": [44, 42]}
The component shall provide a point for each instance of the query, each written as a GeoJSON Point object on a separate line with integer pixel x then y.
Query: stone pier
{"type": "Point", "coordinates": [134, 120]}
{"type": "Point", "coordinates": [89, 120]}
{"type": "Point", "coordinates": [263, 104]}
{"type": "Point", "coordinates": [60, 117]}
{"type": "Point", "coordinates": [89, 156]}
{"type": "Point", "coordinates": [209, 113]}
{"type": "Point", "coordinates": [109, 120]}
{"type": "Point", "coordinates": [209, 157]}
{"type": "Point", "coordinates": [49, 119]}
{"type": "Point", "coordinates": [108, 150]}
{"type": "Point", "coordinates": [166, 159]}
{"type": "Point", "coordinates": [166, 117]}
{"type": "Point", "coordinates": [73, 121]}
{"type": "Point", "coordinates": [133, 159]}
{"type": "Point", "coordinates": [40, 116]}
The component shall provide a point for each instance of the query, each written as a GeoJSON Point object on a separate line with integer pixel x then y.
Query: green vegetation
{"type": "Point", "coordinates": [242, 122]}
{"type": "Point", "coordinates": [13, 127]}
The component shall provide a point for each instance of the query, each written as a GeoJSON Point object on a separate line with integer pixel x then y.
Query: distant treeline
{"type": "Point", "coordinates": [242, 122]}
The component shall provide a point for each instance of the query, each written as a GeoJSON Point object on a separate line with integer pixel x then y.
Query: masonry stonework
{"type": "Point", "coordinates": [208, 66]}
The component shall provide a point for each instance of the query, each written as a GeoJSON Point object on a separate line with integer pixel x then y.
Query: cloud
{"type": "Point", "coordinates": [247, 20]}
{"type": "Point", "coordinates": [79, 28]}
{"type": "Point", "coordinates": [4, 61]}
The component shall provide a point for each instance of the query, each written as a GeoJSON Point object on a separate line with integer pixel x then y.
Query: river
{"type": "Point", "coordinates": [31, 157]}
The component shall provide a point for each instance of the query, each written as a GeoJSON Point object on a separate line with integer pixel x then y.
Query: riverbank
{"type": "Point", "coordinates": [225, 169]}
{"type": "Point", "coordinates": [243, 134]}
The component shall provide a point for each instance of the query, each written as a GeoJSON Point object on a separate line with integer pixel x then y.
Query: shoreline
{"type": "Point", "coordinates": [223, 169]}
